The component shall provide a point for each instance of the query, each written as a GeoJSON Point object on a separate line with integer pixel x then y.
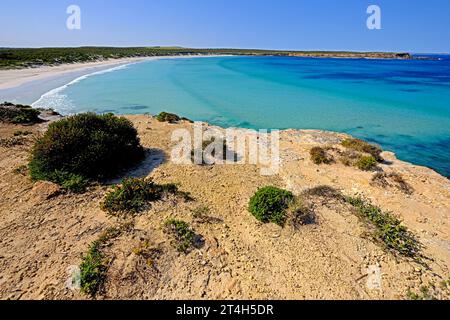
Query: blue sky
{"type": "Point", "coordinates": [407, 25]}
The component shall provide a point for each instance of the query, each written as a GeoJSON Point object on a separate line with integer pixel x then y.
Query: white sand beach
{"type": "Point", "coordinates": [17, 77]}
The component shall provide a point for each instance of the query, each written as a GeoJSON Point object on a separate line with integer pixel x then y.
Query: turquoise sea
{"type": "Point", "coordinates": [403, 105]}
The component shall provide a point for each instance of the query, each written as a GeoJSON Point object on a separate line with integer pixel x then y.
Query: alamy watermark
{"type": "Point", "coordinates": [227, 147]}
{"type": "Point", "coordinates": [74, 20]}
{"type": "Point", "coordinates": [374, 20]}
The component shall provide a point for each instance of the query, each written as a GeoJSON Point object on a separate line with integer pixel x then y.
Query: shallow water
{"type": "Point", "coordinates": [404, 105]}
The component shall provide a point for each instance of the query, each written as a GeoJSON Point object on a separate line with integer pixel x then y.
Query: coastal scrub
{"type": "Point", "coordinates": [85, 147]}
{"type": "Point", "coordinates": [388, 229]}
{"type": "Point", "coordinates": [269, 204]}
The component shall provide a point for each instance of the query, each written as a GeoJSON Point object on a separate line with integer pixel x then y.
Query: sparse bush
{"type": "Point", "coordinates": [383, 180]}
{"type": "Point", "coordinates": [18, 114]}
{"type": "Point", "coordinates": [301, 214]}
{"type": "Point", "coordinates": [388, 229]}
{"type": "Point", "coordinates": [183, 235]}
{"type": "Point", "coordinates": [131, 196]}
{"type": "Point", "coordinates": [319, 156]}
{"type": "Point", "coordinates": [168, 117]}
{"type": "Point", "coordinates": [325, 192]}
{"type": "Point", "coordinates": [363, 146]}
{"type": "Point", "coordinates": [86, 145]}
{"type": "Point", "coordinates": [366, 163]}
{"type": "Point", "coordinates": [269, 204]}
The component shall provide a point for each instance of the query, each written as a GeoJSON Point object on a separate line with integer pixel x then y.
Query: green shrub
{"type": "Point", "coordinates": [184, 236]}
{"type": "Point", "coordinates": [366, 163]}
{"type": "Point", "coordinates": [363, 146]}
{"type": "Point", "coordinates": [319, 156]}
{"type": "Point", "coordinates": [134, 194]}
{"type": "Point", "coordinates": [18, 114]}
{"type": "Point", "coordinates": [269, 204]}
{"type": "Point", "coordinates": [86, 145]}
{"type": "Point", "coordinates": [388, 229]}
{"type": "Point", "coordinates": [131, 196]}
{"type": "Point", "coordinates": [93, 270]}
{"type": "Point", "coordinates": [168, 117]}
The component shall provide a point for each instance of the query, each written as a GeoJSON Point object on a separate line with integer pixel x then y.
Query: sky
{"type": "Point", "coordinates": [418, 26]}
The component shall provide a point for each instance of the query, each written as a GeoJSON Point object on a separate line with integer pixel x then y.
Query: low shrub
{"type": "Point", "coordinates": [132, 196]}
{"type": "Point", "coordinates": [269, 204]}
{"type": "Point", "coordinates": [168, 117]}
{"type": "Point", "coordinates": [93, 270]}
{"type": "Point", "coordinates": [363, 146]}
{"type": "Point", "coordinates": [18, 114]}
{"type": "Point", "coordinates": [93, 266]}
{"type": "Point", "coordinates": [383, 180]}
{"type": "Point", "coordinates": [366, 163]}
{"type": "Point", "coordinates": [88, 146]}
{"type": "Point", "coordinates": [325, 192]}
{"type": "Point", "coordinates": [388, 229]}
{"type": "Point", "coordinates": [319, 156]}
{"type": "Point", "coordinates": [183, 235]}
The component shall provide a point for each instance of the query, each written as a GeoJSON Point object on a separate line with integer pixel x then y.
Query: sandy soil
{"type": "Point", "coordinates": [43, 234]}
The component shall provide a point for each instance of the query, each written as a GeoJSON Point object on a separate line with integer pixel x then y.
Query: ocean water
{"type": "Point", "coordinates": [403, 105]}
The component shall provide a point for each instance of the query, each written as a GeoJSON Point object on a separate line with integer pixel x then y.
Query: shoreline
{"type": "Point", "coordinates": [13, 78]}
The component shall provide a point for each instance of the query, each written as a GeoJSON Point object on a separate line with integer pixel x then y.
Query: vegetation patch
{"type": "Point", "coordinates": [168, 117]}
{"type": "Point", "coordinates": [363, 146]}
{"type": "Point", "coordinates": [431, 292]}
{"type": "Point", "coordinates": [269, 204]}
{"type": "Point", "coordinates": [301, 214]}
{"type": "Point", "coordinates": [388, 229]}
{"type": "Point", "coordinates": [320, 156]}
{"type": "Point", "coordinates": [85, 147]}
{"type": "Point", "coordinates": [393, 179]}
{"type": "Point", "coordinates": [184, 236]}
{"type": "Point", "coordinates": [18, 114]}
{"type": "Point", "coordinates": [20, 133]}
{"type": "Point", "coordinates": [202, 214]}
{"type": "Point", "coordinates": [11, 142]}
{"type": "Point", "coordinates": [134, 194]}
{"type": "Point", "coordinates": [93, 267]}
{"type": "Point", "coordinates": [93, 270]}
{"type": "Point", "coordinates": [324, 192]}
{"type": "Point", "coordinates": [366, 163]}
